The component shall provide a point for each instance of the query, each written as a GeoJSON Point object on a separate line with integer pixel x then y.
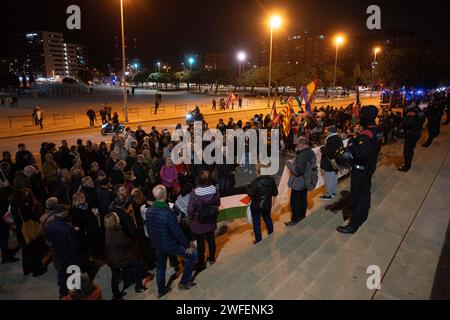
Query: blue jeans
{"type": "Point", "coordinates": [256, 219]}
{"type": "Point", "coordinates": [161, 259]}
{"type": "Point", "coordinates": [224, 183]}
{"type": "Point", "coordinates": [331, 181]}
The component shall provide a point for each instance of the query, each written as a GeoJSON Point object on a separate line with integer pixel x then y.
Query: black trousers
{"type": "Point", "coordinates": [201, 238]}
{"type": "Point", "coordinates": [4, 238]}
{"type": "Point", "coordinates": [135, 265]}
{"type": "Point", "coordinates": [411, 139]}
{"type": "Point", "coordinates": [360, 186]}
{"type": "Point", "coordinates": [299, 204]}
{"type": "Point", "coordinates": [91, 122]}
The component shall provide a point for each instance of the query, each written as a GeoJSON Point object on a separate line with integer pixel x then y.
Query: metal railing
{"type": "Point", "coordinates": [63, 117]}
{"type": "Point", "coordinates": [20, 119]}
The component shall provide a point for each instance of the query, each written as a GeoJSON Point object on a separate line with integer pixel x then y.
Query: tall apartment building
{"type": "Point", "coordinates": [303, 48]}
{"type": "Point", "coordinates": [45, 54]}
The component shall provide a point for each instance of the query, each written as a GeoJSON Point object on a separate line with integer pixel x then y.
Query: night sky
{"type": "Point", "coordinates": [167, 30]}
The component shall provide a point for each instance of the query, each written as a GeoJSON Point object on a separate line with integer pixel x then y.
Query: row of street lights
{"type": "Point", "coordinates": [275, 23]}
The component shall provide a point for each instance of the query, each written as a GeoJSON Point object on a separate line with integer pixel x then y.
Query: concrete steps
{"type": "Point", "coordinates": [312, 260]}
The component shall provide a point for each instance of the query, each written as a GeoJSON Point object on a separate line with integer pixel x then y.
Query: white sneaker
{"type": "Point", "coordinates": [172, 271]}
{"type": "Point", "coordinates": [251, 172]}
{"type": "Point", "coordinates": [245, 170]}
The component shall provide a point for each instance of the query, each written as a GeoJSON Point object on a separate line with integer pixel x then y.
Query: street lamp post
{"type": "Point", "coordinates": [159, 66]}
{"type": "Point", "coordinates": [339, 40]}
{"type": "Point", "coordinates": [275, 22]}
{"type": "Point", "coordinates": [125, 95]}
{"type": "Point", "coordinates": [191, 61]}
{"type": "Point", "coordinates": [374, 65]}
{"type": "Point", "coordinates": [241, 56]}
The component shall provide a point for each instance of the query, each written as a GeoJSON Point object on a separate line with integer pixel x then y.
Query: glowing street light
{"type": "Point", "coordinates": [339, 40]}
{"type": "Point", "coordinates": [159, 66]}
{"type": "Point", "coordinates": [374, 65]}
{"type": "Point", "coordinates": [275, 23]}
{"type": "Point", "coordinates": [241, 56]}
{"type": "Point", "coordinates": [191, 61]}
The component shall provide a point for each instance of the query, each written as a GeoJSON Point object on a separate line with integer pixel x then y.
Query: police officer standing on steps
{"type": "Point", "coordinates": [434, 113]}
{"type": "Point", "coordinates": [364, 150]}
{"type": "Point", "coordinates": [412, 125]}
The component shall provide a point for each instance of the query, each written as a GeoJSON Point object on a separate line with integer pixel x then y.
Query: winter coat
{"type": "Point", "coordinates": [298, 169]}
{"type": "Point", "coordinates": [332, 143]}
{"type": "Point", "coordinates": [201, 196]}
{"type": "Point", "coordinates": [169, 176]}
{"type": "Point", "coordinates": [21, 181]}
{"type": "Point", "coordinates": [261, 191]}
{"type": "Point", "coordinates": [119, 249]}
{"type": "Point", "coordinates": [164, 230]}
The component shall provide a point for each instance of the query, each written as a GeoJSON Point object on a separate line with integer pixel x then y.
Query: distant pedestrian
{"type": "Point", "coordinates": [108, 111]}
{"type": "Point", "coordinates": [157, 101]}
{"type": "Point", "coordinates": [103, 115]}
{"type": "Point", "coordinates": [92, 117]}
{"type": "Point", "coordinates": [132, 91]}
{"type": "Point", "coordinates": [39, 117]}
{"type": "Point", "coordinates": [239, 102]}
{"type": "Point", "coordinates": [214, 104]}
{"type": "Point", "coordinates": [2, 101]}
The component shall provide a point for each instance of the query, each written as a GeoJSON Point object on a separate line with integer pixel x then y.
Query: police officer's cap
{"type": "Point", "coordinates": [369, 112]}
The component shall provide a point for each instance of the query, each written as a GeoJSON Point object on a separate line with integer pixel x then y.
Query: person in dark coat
{"type": "Point", "coordinates": [204, 194]}
{"type": "Point", "coordinates": [168, 239]}
{"type": "Point", "coordinates": [327, 163]}
{"type": "Point", "coordinates": [23, 157]}
{"type": "Point", "coordinates": [140, 172]}
{"type": "Point", "coordinates": [88, 189]}
{"type": "Point", "coordinates": [61, 190]}
{"type": "Point", "coordinates": [412, 125]}
{"type": "Point", "coordinates": [434, 113]}
{"type": "Point", "coordinates": [62, 236]}
{"type": "Point", "coordinates": [5, 192]}
{"type": "Point", "coordinates": [299, 192]}
{"type": "Point", "coordinates": [261, 191]}
{"type": "Point", "coordinates": [24, 208]}
{"type": "Point", "coordinates": [85, 222]}
{"type": "Point", "coordinates": [126, 219]}
{"type": "Point", "coordinates": [120, 255]}
{"type": "Point", "coordinates": [118, 175]}
{"type": "Point", "coordinates": [92, 117]}
{"type": "Point", "coordinates": [65, 158]}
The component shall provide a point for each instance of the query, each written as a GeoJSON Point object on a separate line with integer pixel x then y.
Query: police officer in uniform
{"type": "Point", "coordinates": [364, 150]}
{"type": "Point", "coordinates": [434, 113]}
{"type": "Point", "coordinates": [412, 125]}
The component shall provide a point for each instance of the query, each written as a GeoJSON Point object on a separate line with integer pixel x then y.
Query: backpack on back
{"type": "Point", "coordinates": [207, 214]}
{"type": "Point", "coordinates": [311, 175]}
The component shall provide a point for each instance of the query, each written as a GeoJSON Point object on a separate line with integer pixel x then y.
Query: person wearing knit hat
{"type": "Point", "coordinates": [328, 165]}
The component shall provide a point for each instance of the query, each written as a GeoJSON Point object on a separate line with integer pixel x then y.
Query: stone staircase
{"type": "Point", "coordinates": [312, 260]}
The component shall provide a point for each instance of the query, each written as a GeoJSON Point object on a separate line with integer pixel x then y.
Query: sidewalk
{"type": "Point", "coordinates": [20, 124]}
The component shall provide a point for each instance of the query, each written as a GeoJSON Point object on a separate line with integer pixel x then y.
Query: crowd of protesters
{"type": "Point", "coordinates": [92, 204]}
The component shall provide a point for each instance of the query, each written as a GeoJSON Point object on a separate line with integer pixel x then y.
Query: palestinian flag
{"type": "Point", "coordinates": [233, 207]}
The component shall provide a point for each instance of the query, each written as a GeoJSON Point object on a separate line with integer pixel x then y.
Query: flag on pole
{"type": "Point", "coordinates": [273, 112]}
{"type": "Point", "coordinates": [308, 95]}
{"type": "Point", "coordinates": [287, 115]}
{"type": "Point", "coordinates": [231, 99]}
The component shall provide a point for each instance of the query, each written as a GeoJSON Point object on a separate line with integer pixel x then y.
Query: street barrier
{"type": "Point", "coordinates": [19, 119]}
{"type": "Point", "coordinates": [180, 107]}
{"type": "Point", "coordinates": [63, 116]}
{"type": "Point", "coordinates": [161, 109]}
